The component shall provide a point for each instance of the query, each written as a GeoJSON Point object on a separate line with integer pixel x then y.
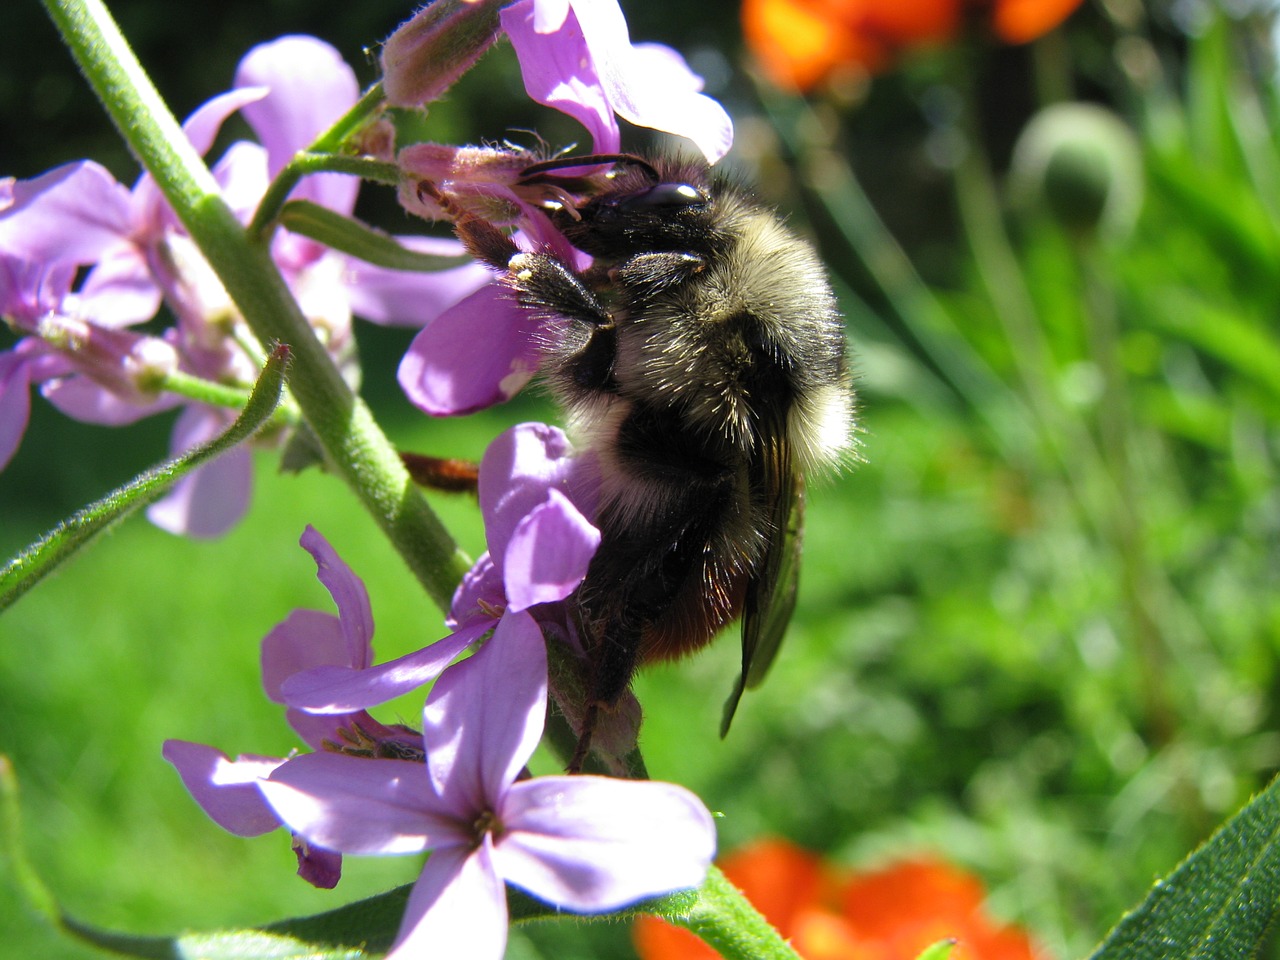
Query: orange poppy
{"type": "Point", "coordinates": [801, 42]}
{"type": "Point", "coordinates": [912, 904]}
{"type": "Point", "coordinates": [890, 914]}
{"type": "Point", "coordinates": [779, 878]}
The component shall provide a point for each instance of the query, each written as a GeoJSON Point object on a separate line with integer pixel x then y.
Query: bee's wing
{"type": "Point", "coordinates": [771, 595]}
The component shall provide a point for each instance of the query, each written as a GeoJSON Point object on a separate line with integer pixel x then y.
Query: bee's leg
{"type": "Point", "coordinates": [485, 242]}
{"type": "Point", "coordinates": [580, 341]}
{"type": "Point", "coordinates": [546, 282]}
{"type": "Point", "coordinates": [648, 274]}
{"type": "Point", "coordinates": [584, 738]}
{"type": "Point", "coordinates": [442, 473]}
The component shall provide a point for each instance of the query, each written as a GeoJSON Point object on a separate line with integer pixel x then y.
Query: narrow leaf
{"type": "Point", "coordinates": [359, 240]}
{"type": "Point", "coordinates": [42, 557]}
{"type": "Point", "coordinates": [1219, 904]}
{"type": "Point", "coordinates": [939, 951]}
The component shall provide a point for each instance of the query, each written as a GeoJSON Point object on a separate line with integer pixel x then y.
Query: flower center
{"type": "Point", "coordinates": [486, 823]}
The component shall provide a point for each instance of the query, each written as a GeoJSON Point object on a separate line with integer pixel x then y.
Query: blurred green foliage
{"type": "Point", "coordinates": [1039, 623]}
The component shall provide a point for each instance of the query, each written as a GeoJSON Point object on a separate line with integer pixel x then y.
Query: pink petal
{"type": "Point", "coordinates": [559, 71]}
{"type": "Point", "coordinates": [480, 352]}
{"type": "Point", "coordinates": [211, 499]}
{"type": "Point", "coordinates": [310, 86]}
{"type": "Point", "coordinates": [15, 403]}
{"type": "Point", "coordinates": [227, 790]}
{"type": "Point", "coordinates": [598, 843]}
{"type": "Point", "coordinates": [485, 715]}
{"type": "Point", "coordinates": [478, 595]}
{"type": "Point", "coordinates": [30, 290]}
{"type": "Point", "coordinates": [348, 592]}
{"type": "Point", "coordinates": [549, 553]}
{"type": "Point", "coordinates": [651, 85]}
{"type": "Point", "coordinates": [88, 401]}
{"type": "Point", "coordinates": [303, 640]}
{"type": "Point", "coordinates": [518, 469]}
{"type": "Point", "coordinates": [336, 689]}
{"type": "Point", "coordinates": [315, 729]}
{"type": "Point", "coordinates": [355, 805]}
{"type": "Point", "coordinates": [406, 298]}
{"type": "Point", "coordinates": [241, 172]}
{"type": "Point", "coordinates": [152, 212]}
{"type": "Point", "coordinates": [202, 126]}
{"type": "Point", "coordinates": [458, 908]}
{"type": "Point", "coordinates": [69, 214]}
{"type": "Point", "coordinates": [120, 290]}
{"type": "Point", "coordinates": [320, 868]}
{"type": "Point", "coordinates": [549, 15]}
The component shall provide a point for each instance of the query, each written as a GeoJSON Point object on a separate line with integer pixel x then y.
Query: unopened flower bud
{"type": "Point", "coordinates": [1082, 164]}
{"type": "Point", "coordinates": [436, 46]}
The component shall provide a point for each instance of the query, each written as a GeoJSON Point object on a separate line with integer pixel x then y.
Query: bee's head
{"type": "Point", "coordinates": [637, 207]}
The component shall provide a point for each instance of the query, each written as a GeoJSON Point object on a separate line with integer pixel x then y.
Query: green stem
{"type": "Point", "coordinates": [1128, 514]}
{"type": "Point", "coordinates": [326, 146]}
{"type": "Point", "coordinates": [726, 921]}
{"type": "Point", "coordinates": [309, 162]}
{"type": "Point", "coordinates": [347, 125]}
{"type": "Point", "coordinates": [355, 444]}
{"type": "Point", "coordinates": [221, 395]}
{"type": "Point", "coordinates": [1001, 274]}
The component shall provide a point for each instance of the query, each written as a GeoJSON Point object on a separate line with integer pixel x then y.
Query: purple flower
{"type": "Point", "coordinates": [78, 215]}
{"type": "Point", "coordinates": [577, 56]}
{"type": "Point", "coordinates": [580, 843]}
{"type": "Point", "coordinates": [535, 498]}
{"type": "Point", "coordinates": [227, 789]}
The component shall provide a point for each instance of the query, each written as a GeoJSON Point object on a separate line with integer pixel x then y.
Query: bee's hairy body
{"type": "Point", "coordinates": [702, 359]}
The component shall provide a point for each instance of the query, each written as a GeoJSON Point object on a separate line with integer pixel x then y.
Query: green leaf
{"type": "Point", "coordinates": [359, 240]}
{"type": "Point", "coordinates": [939, 951]}
{"type": "Point", "coordinates": [1249, 348]}
{"type": "Point", "coordinates": [1219, 904]}
{"type": "Point", "coordinates": [34, 563]}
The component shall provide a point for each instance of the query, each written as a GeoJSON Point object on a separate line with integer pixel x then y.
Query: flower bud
{"type": "Point", "coordinates": [436, 46]}
{"type": "Point", "coordinates": [1081, 164]}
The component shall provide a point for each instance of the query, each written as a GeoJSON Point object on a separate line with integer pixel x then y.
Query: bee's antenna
{"type": "Point", "coordinates": [534, 171]}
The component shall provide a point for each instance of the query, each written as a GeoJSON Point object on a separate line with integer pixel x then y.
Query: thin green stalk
{"type": "Point", "coordinates": [1001, 274]}
{"type": "Point", "coordinates": [221, 395]}
{"type": "Point", "coordinates": [355, 444]}
{"type": "Point", "coordinates": [304, 164]}
{"type": "Point", "coordinates": [1140, 576]}
{"type": "Point", "coordinates": [328, 143]}
{"type": "Point", "coordinates": [347, 125]}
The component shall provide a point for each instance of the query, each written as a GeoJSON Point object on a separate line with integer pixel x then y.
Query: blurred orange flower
{"type": "Point", "coordinates": [801, 42]}
{"type": "Point", "coordinates": [889, 914]}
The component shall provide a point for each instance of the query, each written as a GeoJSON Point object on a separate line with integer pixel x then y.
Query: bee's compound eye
{"type": "Point", "coordinates": [670, 195]}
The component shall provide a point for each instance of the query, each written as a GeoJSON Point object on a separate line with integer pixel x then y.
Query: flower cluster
{"type": "Point", "coordinates": [459, 788]}
{"type": "Point", "coordinates": [85, 261]}
{"type": "Point", "coordinates": [891, 913]}
{"type": "Point", "coordinates": [800, 43]}
{"type": "Point", "coordinates": [78, 342]}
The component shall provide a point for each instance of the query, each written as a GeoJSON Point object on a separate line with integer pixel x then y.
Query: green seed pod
{"type": "Point", "coordinates": [1081, 164]}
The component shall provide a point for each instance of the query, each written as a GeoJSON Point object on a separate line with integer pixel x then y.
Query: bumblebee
{"type": "Point", "coordinates": [702, 359]}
